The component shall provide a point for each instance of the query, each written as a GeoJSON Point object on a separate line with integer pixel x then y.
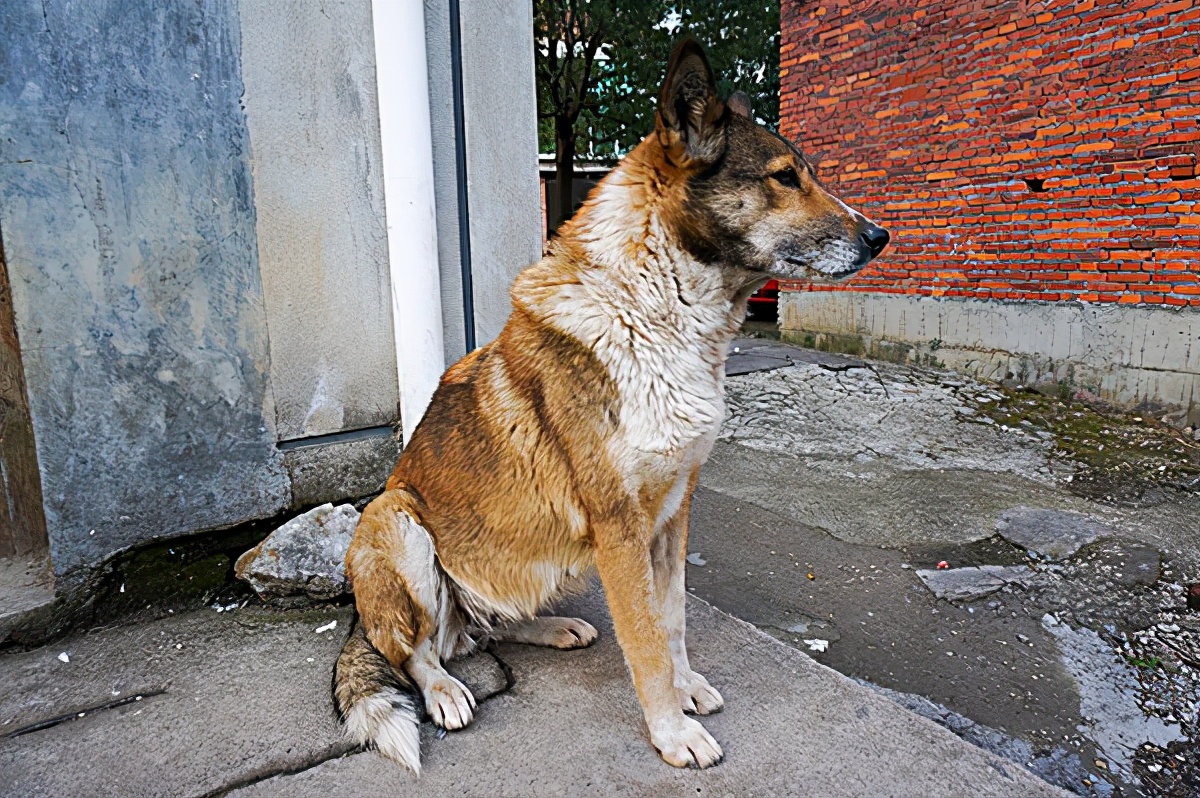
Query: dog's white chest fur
{"type": "Point", "coordinates": [660, 322]}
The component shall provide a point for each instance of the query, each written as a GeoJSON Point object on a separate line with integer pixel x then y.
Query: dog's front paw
{"type": "Point", "coordinates": [685, 743]}
{"type": "Point", "coordinates": [449, 703]}
{"type": "Point", "coordinates": [697, 696]}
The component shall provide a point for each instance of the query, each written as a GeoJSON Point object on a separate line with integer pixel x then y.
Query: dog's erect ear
{"type": "Point", "coordinates": [691, 118]}
{"type": "Point", "coordinates": [739, 103]}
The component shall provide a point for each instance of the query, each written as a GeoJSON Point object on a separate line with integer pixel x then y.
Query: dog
{"type": "Point", "coordinates": [573, 441]}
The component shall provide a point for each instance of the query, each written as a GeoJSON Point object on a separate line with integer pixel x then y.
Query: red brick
{"type": "Point", "coordinates": [932, 117]}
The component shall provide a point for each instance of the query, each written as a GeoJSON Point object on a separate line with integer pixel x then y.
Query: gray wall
{"type": "Point", "coordinates": [501, 111]}
{"type": "Point", "coordinates": [138, 201]}
{"type": "Point", "coordinates": [501, 141]}
{"type": "Point", "coordinates": [128, 224]}
{"type": "Point", "coordinates": [312, 111]}
{"type": "Point", "coordinates": [445, 185]}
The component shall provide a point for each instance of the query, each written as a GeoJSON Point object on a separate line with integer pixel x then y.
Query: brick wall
{"type": "Point", "coordinates": [1016, 150]}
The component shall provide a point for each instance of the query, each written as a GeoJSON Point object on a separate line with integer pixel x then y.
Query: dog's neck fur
{"type": "Point", "coordinates": [618, 279]}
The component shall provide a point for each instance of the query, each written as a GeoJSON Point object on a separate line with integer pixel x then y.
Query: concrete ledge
{"type": "Point", "coordinates": [1131, 357]}
{"type": "Point", "coordinates": [340, 470]}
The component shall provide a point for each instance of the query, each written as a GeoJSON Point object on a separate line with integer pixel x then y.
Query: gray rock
{"type": "Point", "coordinates": [1133, 564]}
{"type": "Point", "coordinates": [306, 557]}
{"type": "Point", "coordinates": [1054, 534]}
{"type": "Point", "coordinates": [964, 584]}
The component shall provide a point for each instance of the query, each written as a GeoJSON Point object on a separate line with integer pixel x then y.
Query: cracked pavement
{"type": "Point", "coordinates": [835, 482]}
{"type": "Point", "coordinates": [238, 703]}
{"type": "Point", "coordinates": [845, 481]}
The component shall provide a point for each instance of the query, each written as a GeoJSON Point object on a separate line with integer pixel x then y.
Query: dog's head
{"type": "Point", "coordinates": [752, 200]}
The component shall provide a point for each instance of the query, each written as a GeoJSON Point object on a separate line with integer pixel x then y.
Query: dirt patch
{"type": "Point", "coordinates": [1123, 459]}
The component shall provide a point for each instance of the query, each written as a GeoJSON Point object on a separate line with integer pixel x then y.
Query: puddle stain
{"type": "Point", "coordinates": [1108, 689]}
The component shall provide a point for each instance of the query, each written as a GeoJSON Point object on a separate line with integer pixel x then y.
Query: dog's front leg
{"type": "Point", "coordinates": [670, 583]}
{"type": "Point", "coordinates": [624, 561]}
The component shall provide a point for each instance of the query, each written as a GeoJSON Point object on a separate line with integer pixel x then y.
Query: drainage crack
{"type": "Point", "coordinates": [50, 723]}
{"type": "Point", "coordinates": [346, 749]}
{"type": "Point", "coordinates": [338, 751]}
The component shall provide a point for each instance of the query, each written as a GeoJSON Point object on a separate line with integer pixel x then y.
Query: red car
{"type": "Point", "coordinates": [765, 301]}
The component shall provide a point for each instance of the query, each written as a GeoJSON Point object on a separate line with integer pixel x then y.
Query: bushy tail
{"type": "Point", "coordinates": [378, 703]}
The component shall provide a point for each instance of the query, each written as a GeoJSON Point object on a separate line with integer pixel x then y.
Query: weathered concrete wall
{"type": "Point", "coordinates": [501, 119]}
{"type": "Point", "coordinates": [22, 525]}
{"type": "Point", "coordinates": [128, 224]}
{"type": "Point", "coordinates": [501, 130]}
{"type": "Point", "coordinates": [312, 110]}
{"type": "Point", "coordinates": [445, 176]}
{"type": "Point", "coordinates": [1129, 356]}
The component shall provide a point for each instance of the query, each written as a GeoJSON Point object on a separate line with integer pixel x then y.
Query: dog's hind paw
{"type": "Point", "coordinates": [697, 696]}
{"type": "Point", "coordinates": [551, 631]}
{"type": "Point", "coordinates": [685, 743]}
{"type": "Point", "coordinates": [449, 703]}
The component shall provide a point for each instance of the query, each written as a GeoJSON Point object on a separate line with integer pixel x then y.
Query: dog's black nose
{"type": "Point", "coordinates": [876, 238]}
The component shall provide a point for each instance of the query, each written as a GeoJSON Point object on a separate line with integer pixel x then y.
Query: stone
{"type": "Point", "coordinates": [1193, 597]}
{"type": "Point", "coordinates": [1054, 534]}
{"type": "Point", "coordinates": [1133, 564]}
{"type": "Point", "coordinates": [972, 582]}
{"type": "Point", "coordinates": [305, 558]}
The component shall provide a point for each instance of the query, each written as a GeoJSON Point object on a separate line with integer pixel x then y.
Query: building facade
{"type": "Point", "coordinates": [1037, 165]}
{"type": "Point", "coordinates": [241, 241]}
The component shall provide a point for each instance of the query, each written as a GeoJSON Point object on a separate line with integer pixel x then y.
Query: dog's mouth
{"type": "Point", "coordinates": [801, 269]}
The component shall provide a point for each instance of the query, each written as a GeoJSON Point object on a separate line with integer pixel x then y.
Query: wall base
{"type": "Point", "coordinates": [1129, 357]}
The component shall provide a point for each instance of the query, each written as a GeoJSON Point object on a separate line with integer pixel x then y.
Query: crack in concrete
{"type": "Point", "coordinates": [337, 752]}
{"type": "Point", "coordinates": [347, 749]}
{"type": "Point", "coordinates": [50, 723]}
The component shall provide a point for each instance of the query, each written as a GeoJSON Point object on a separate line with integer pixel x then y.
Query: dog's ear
{"type": "Point", "coordinates": [691, 118]}
{"type": "Point", "coordinates": [739, 103]}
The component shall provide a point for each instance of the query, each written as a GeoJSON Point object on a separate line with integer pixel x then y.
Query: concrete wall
{"type": "Point", "coordinates": [501, 112]}
{"type": "Point", "coordinates": [128, 224]}
{"type": "Point", "coordinates": [501, 125]}
{"type": "Point", "coordinates": [174, 385]}
{"type": "Point", "coordinates": [1128, 356]}
{"type": "Point", "coordinates": [311, 108]}
{"type": "Point", "coordinates": [445, 182]}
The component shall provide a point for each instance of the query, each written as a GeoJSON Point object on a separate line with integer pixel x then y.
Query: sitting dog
{"type": "Point", "coordinates": [574, 440]}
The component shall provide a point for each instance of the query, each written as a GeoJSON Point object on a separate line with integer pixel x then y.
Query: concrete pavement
{"type": "Point", "coordinates": [237, 703]}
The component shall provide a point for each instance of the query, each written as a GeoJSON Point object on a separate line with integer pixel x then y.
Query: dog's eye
{"type": "Point", "coordinates": [787, 177]}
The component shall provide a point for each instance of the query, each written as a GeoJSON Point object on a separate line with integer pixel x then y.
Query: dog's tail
{"type": "Point", "coordinates": [378, 703]}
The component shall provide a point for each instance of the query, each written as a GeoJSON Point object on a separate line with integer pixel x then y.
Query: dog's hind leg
{"type": "Point", "coordinates": [550, 631]}
{"type": "Point", "coordinates": [668, 557]}
{"type": "Point", "coordinates": [405, 603]}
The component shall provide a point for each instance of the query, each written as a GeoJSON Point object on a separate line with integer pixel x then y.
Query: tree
{"type": "Point", "coordinates": [599, 65]}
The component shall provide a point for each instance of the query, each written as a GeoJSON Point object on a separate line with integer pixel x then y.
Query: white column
{"type": "Point", "coordinates": [402, 80]}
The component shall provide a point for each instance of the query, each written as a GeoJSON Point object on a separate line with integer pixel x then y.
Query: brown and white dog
{"type": "Point", "coordinates": [574, 439]}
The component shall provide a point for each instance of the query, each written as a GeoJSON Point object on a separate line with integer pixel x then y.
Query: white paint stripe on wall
{"type": "Point", "coordinates": [404, 125]}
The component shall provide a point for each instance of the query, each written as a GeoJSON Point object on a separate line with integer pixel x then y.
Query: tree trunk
{"type": "Point", "coordinates": [564, 172]}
